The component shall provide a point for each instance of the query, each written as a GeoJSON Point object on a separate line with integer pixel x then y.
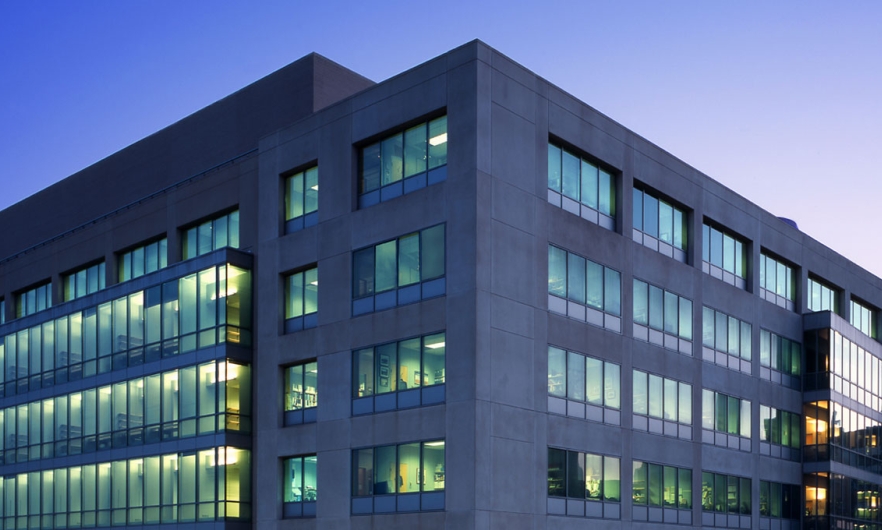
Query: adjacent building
{"type": "Point", "coordinates": [268, 300]}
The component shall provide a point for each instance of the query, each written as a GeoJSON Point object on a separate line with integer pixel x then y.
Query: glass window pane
{"type": "Point", "coordinates": [294, 196]}
{"type": "Point", "coordinates": [433, 252]}
{"type": "Point", "coordinates": [557, 271]}
{"type": "Point", "coordinates": [655, 485]}
{"type": "Point", "coordinates": [684, 489]}
{"type": "Point", "coordinates": [639, 493]}
{"type": "Point", "coordinates": [593, 477]}
{"type": "Point", "coordinates": [386, 266]}
{"type": "Point", "coordinates": [363, 273]}
{"type": "Point", "coordinates": [571, 180]}
{"type": "Point", "coordinates": [594, 281]}
{"type": "Point", "coordinates": [612, 301]}
{"type": "Point", "coordinates": [656, 308]}
{"type": "Point", "coordinates": [557, 366]}
{"type": "Point", "coordinates": [685, 319]}
{"type": "Point", "coordinates": [310, 291]}
{"type": "Point", "coordinates": [672, 313]}
{"type": "Point", "coordinates": [554, 154]}
{"type": "Point", "coordinates": [637, 207]}
{"type": "Point", "coordinates": [640, 393]}
{"type": "Point", "coordinates": [611, 380]}
{"type": "Point", "coordinates": [666, 222]}
{"type": "Point", "coordinates": [434, 365]}
{"type": "Point", "coordinates": [408, 260]}
{"type": "Point", "coordinates": [415, 150]}
{"type": "Point", "coordinates": [557, 461]}
{"type": "Point", "coordinates": [650, 215]}
{"type": "Point", "coordinates": [594, 381]}
{"type": "Point", "coordinates": [590, 185]}
{"type": "Point", "coordinates": [438, 142]}
{"type": "Point", "coordinates": [576, 278]}
{"type": "Point", "coordinates": [575, 376]}
{"type": "Point", "coordinates": [392, 159]}
{"type": "Point", "coordinates": [685, 403]}
{"type": "Point", "coordinates": [370, 168]}
{"type": "Point", "coordinates": [641, 303]}
{"type": "Point", "coordinates": [671, 394]}
{"type": "Point", "coordinates": [607, 199]}
{"type": "Point", "coordinates": [385, 472]}
{"type": "Point", "coordinates": [611, 479]}
{"type": "Point", "coordinates": [575, 475]}
{"type": "Point", "coordinates": [409, 369]}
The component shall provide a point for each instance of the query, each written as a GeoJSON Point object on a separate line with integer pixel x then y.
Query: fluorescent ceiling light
{"type": "Point", "coordinates": [435, 346]}
{"type": "Point", "coordinates": [438, 140]}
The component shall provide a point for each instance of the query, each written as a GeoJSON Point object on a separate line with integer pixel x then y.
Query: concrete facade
{"type": "Point", "coordinates": [499, 222]}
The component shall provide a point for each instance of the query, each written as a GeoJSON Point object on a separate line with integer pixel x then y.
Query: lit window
{"type": "Point", "coordinates": [407, 477]}
{"type": "Point", "coordinates": [398, 272]}
{"type": "Point", "coordinates": [301, 393]}
{"type": "Point", "coordinates": [403, 374]}
{"type": "Point", "coordinates": [660, 225]}
{"type": "Point", "coordinates": [2, 311]}
{"type": "Point", "coordinates": [211, 235]}
{"type": "Point", "coordinates": [403, 163]}
{"type": "Point", "coordinates": [658, 486]}
{"type": "Point", "coordinates": [725, 494]}
{"type": "Point", "coordinates": [33, 300]}
{"type": "Point", "coordinates": [301, 200]}
{"type": "Point", "coordinates": [591, 478]}
{"type": "Point", "coordinates": [780, 427]}
{"type": "Point", "coordinates": [581, 186]}
{"type": "Point", "coordinates": [301, 300]}
{"type": "Point", "coordinates": [724, 256]}
{"type": "Point", "coordinates": [299, 491]}
{"type": "Point", "coordinates": [143, 260]}
{"type": "Point", "coordinates": [583, 289]}
{"type": "Point", "coordinates": [782, 500]}
{"type": "Point", "coordinates": [84, 281]}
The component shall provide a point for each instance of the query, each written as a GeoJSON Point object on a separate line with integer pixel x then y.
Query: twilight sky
{"type": "Point", "coordinates": [779, 101]}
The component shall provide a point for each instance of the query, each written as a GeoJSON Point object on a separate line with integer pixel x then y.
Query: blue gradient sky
{"type": "Point", "coordinates": [777, 100]}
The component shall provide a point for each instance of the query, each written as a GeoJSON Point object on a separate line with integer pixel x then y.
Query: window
{"type": "Point", "coordinates": [2, 311]}
{"type": "Point", "coordinates": [301, 200]}
{"type": "Point", "coordinates": [33, 300]}
{"type": "Point", "coordinates": [660, 486]}
{"type": "Point", "coordinates": [777, 282]}
{"type": "Point", "coordinates": [725, 494]}
{"type": "Point", "coordinates": [781, 355]}
{"type": "Point", "coordinates": [660, 225]}
{"type": "Point", "coordinates": [662, 317]}
{"type": "Point", "coordinates": [205, 485]}
{"type": "Point", "coordinates": [779, 500]}
{"type": "Point", "coordinates": [405, 478]}
{"type": "Point", "coordinates": [581, 187]}
{"type": "Point", "coordinates": [301, 393]}
{"type": "Point", "coordinates": [726, 339]}
{"type": "Point", "coordinates": [398, 272]}
{"type": "Point", "coordinates": [299, 490]}
{"type": "Point", "coordinates": [202, 309]}
{"type": "Point", "coordinates": [586, 477]}
{"type": "Point", "coordinates": [403, 374]}
{"type": "Point", "coordinates": [822, 297]}
{"type": "Point", "coordinates": [583, 387]}
{"type": "Point", "coordinates": [584, 290]}
{"type": "Point", "coordinates": [725, 415]}
{"type": "Point", "coordinates": [211, 235]}
{"type": "Point", "coordinates": [403, 163]}
{"type": "Point", "coordinates": [660, 404]}
{"type": "Point", "coordinates": [862, 317]}
{"type": "Point", "coordinates": [780, 428]}
{"type": "Point", "coordinates": [143, 260]}
{"type": "Point", "coordinates": [301, 300]}
{"type": "Point", "coordinates": [84, 281]}
{"type": "Point", "coordinates": [724, 256]}
{"type": "Point", "coordinates": [209, 398]}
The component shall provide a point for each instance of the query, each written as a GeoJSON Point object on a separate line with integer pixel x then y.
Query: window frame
{"type": "Point", "coordinates": [677, 244]}
{"type": "Point", "coordinates": [308, 410]}
{"type": "Point", "coordinates": [308, 199]}
{"type": "Point", "coordinates": [299, 314]}
{"type": "Point", "coordinates": [304, 507]}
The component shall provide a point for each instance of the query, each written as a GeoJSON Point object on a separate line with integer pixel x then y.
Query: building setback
{"type": "Point", "coordinates": [627, 343]}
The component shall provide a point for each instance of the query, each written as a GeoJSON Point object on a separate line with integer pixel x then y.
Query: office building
{"type": "Point", "coordinates": [459, 298]}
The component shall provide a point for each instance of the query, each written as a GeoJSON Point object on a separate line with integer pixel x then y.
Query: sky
{"type": "Point", "coordinates": [779, 101]}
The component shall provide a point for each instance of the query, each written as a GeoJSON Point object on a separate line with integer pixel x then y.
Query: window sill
{"type": "Point", "coordinates": [416, 397]}
{"type": "Point", "coordinates": [722, 439]}
{"type": "Point", "coordinates": [584, 411]}
{"type": "Point", "coordinates": [299, 223]}
{"type": "Point", "coordinates": [659, 246]}
{"type": "Point", "coordinates": [724, 359]}
{"type": "Point", "coordinates": [293, 510]}
{"type": "Point", "coordinates": [399, 297]}
{"type": "Point", "coordinates": [722, 520]}
{"type": "Point", "coordinates": [300, 416]}
{"type": "Point", "coordinates": [665, 340]}
{"type": "Point", "coordinates": [293, 325]}
{"type": "Point", "coordinates": [583, 313]}
{"type": "Point", "coordinates": [402, 187]}
{"type": "Point", "coordinates": [404, 502]}
{"type": "Point", "coordinates": [661, 427]}
{"type": "Point", "coordinates": [724, 276]}
{"type": "Point", "coordinates": [585, 212]}
{"type": "Point", "coordinates": [580, 508]}
{"type": "Point", "coordinates": [662, 515]}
